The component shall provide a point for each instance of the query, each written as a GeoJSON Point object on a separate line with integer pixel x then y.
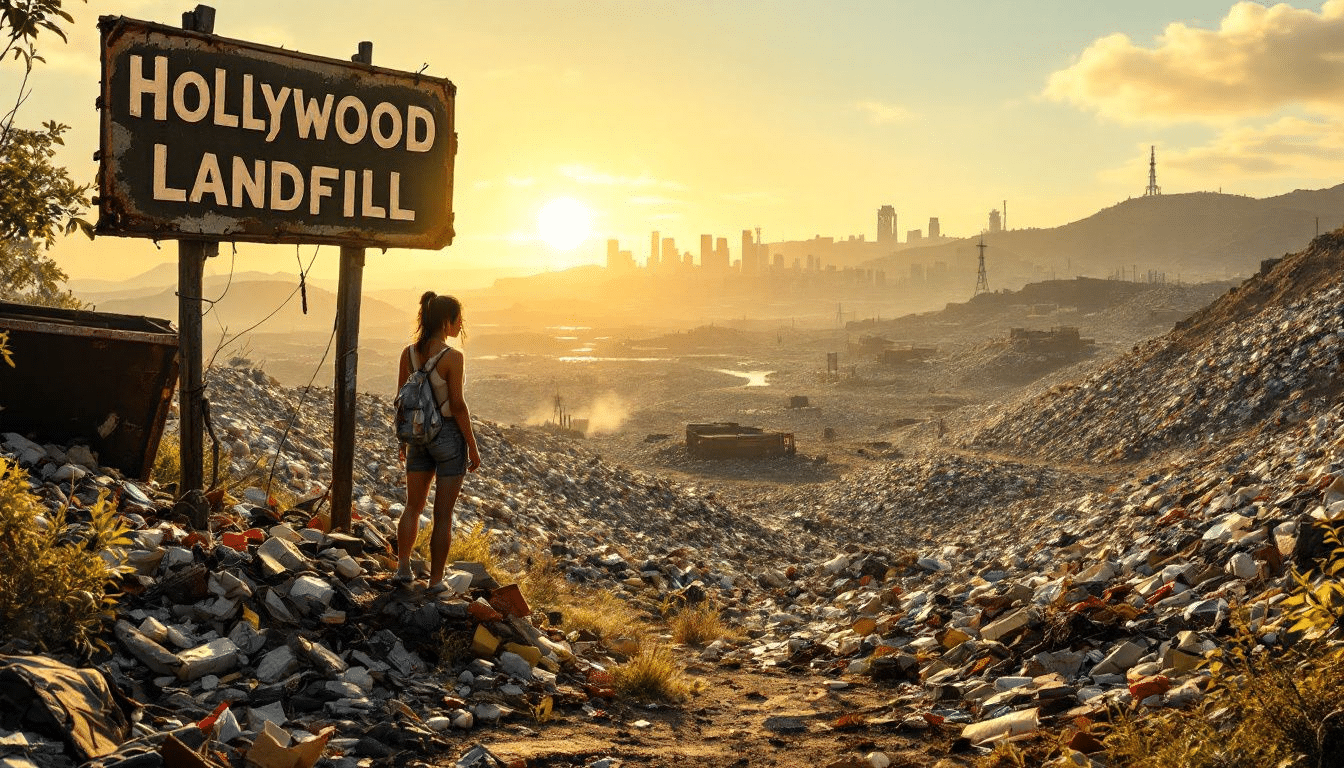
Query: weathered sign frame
{"type": "Point", "coordinates": [215, 139]}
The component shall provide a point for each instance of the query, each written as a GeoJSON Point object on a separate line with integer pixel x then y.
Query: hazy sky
{"type": "Point", "coordinates": [801, 117]}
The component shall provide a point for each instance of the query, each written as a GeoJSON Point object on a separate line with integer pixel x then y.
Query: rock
{"type": "Point", "coordinates": [213, 658]}
{"type": "Point", "coordinates": [277, 664]}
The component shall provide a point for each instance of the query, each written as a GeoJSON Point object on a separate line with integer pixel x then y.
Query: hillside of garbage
{"type": "Point", "coordinates": [1260, 357]}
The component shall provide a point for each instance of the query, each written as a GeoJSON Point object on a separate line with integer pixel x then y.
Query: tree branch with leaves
{"type": "Point", "coordinates": [38, 199]}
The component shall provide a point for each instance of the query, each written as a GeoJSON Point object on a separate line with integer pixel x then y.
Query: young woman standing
{"type": "Point", "coordinates": [452, 453]}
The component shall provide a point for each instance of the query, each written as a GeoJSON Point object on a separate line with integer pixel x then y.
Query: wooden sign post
{"type": "Point", "coordinates": [349, 288]}
{"type": "Point", "coordinates": [191, 256]}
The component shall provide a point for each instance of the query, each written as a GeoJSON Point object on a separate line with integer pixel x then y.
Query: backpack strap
{"type": "Point", "coordinates": [434, 361]}
{"type": "Point", "coordinates": [430, 363]}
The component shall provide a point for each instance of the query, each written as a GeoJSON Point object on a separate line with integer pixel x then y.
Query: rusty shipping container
{"type": "Point", "coordinates": [729, 440]}
{"type": "Point", "coordinates": [96, 378]}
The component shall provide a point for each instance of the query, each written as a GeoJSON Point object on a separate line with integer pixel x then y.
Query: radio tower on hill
{"type": "Point", "coordinates": [1153, 189]}
{"type": "Point", "coordinates": [981, 279]}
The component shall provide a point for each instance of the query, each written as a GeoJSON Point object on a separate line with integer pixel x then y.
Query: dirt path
{"type": "Point", "coordinates": [738, 717]}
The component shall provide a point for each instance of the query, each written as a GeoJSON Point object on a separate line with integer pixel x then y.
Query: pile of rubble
{"type": "Point", "coordinates": [532, 487]}
{"type": "Point", "coordinates": [1261, 363]}
{"type": "Point", "coordinates": [282, 638]}
{"type": "Point", "coordinates": [277, 639]}
{"type": "Point", "coordinates": [919, 502]}
{"type": "Point", "coordinates": [1040, 615]}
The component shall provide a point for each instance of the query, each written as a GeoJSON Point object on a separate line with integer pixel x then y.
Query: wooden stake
{"type": "Point", "coordinates": [349, 290]}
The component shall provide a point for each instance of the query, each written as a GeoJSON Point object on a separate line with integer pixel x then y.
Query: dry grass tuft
{"type": "Point", "coordinates": [473, 545]}
{"type": "Point", "coordinates": [452, 647]}
{"type": "Point", "coordinates": [167, 462]}
{"type": "Point", "coordinates": [700, 625]}
{"type": "Point", "coordinates": [604, 614]}
{"type": "Point", "coordinates": [652, 675]}
{"type": "Point", "coordinates": [543, 583]}
{"type": "Point", "coordinates": [1263, 709]}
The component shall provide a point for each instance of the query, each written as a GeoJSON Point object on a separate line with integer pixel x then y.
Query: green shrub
{"type": "Point", "coordinates": [54, 579]}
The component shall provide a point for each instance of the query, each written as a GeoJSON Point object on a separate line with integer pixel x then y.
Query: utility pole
{"type": "Point", "coordinates": [981, 278]}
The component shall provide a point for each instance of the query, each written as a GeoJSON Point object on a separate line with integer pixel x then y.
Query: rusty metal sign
{"type": "Point", "coordinates": [203, 137]}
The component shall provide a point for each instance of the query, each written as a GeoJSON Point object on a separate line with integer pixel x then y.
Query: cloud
{"type": "Point", "coordinates": [881, 113]}
{"type": "Point", "coordinates": [1257, 61]}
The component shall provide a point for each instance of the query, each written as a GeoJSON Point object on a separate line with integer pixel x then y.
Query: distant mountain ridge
{"type": "Point", "coordinates": [240, 303]}
{"type": "Point", "coordinates": [1191, 236]}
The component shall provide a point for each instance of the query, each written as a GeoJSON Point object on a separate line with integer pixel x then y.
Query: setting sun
{"type": "Point", "coordinates": [564, 223]}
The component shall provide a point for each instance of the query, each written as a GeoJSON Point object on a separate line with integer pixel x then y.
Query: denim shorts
{"type": "Point", "coordinates": [446, 456]}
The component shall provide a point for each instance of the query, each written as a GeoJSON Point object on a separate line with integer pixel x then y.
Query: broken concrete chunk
{"type": "Point", "coordinates": [311, 592]}
{"type": "Point", "coordinates": [1011, 724]}
{"type": "Point", "coordinates": [279, 556]}
{"type": "Point", "coordinates": [321, 657]}
{"type": "Point", "coordinates": [151, 654]}
{"type": "Point", "coordinates": [1006, 624]}
{"type": "Point", "coordinates": [277, 664]}
{"type": "Point", "coordinates": [1122, 657]}
{"type": "Point", "coordinates": [515, 666]}
{"type": "Point", "coordinates": [214, 658]}
{"type": "Point", "coordinates": [406, 662]}
{"type": "Point", "coordinates": [259, 717]}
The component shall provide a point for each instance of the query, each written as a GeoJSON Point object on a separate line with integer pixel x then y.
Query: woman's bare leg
{"type": "Point", "coordinates": [417, 492]}
{"type": "Point", "coordinates": [445, 498]}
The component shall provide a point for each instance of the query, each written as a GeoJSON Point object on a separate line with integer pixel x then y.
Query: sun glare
{"type": "Point", "coordinates": [564, 223]}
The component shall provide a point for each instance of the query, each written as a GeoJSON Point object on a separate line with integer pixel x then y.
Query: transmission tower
{"type": "Point", "coordinates": [1153, 189]}
{"type": "Point", "coordinates": [981, 279]}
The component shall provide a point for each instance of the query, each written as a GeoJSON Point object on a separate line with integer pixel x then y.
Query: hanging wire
{"type": "Point", "coordinates": [233, 260]}
{"type": "Point", "coordinates": [279, 444]}
{"type": "Point", "coordinates": [224, 342]}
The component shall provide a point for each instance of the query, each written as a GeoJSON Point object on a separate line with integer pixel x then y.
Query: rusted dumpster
{"type": "Point", "coordinates": [729, 440]}
{"type": "Point", "coordinates": [96, 378]}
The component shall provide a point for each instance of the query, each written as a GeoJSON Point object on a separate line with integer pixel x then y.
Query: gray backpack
{"type": "Point", "coordinates": [418, 418]}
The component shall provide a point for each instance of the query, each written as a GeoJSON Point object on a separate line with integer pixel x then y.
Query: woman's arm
{"type": "Point", "coordinates": [403, 373]}
{"type": "Point", "coordinates": [404, 369]}
{"type": "Point", "coordinates": [457, 405]}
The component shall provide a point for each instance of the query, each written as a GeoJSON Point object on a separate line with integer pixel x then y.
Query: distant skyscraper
{"type": "Point", "coordinates": [669, 257]}
{"type": "Point", "coordinates": [653, 250]}
{"type": "Point", "coordinates": [995, 222]}
{"type": "Point", "coordinates": [748, 253]}
{"type": "Point", "coordinates": [935, 231]}
{"type": "Point", "coordinates": [721, 254]}
{"type": "Point", "coordinates": [913, 236]}
{"type": "Point", "coordinates": [886, 225]}
{"type": "Point", "coordinates": [706, 251]}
